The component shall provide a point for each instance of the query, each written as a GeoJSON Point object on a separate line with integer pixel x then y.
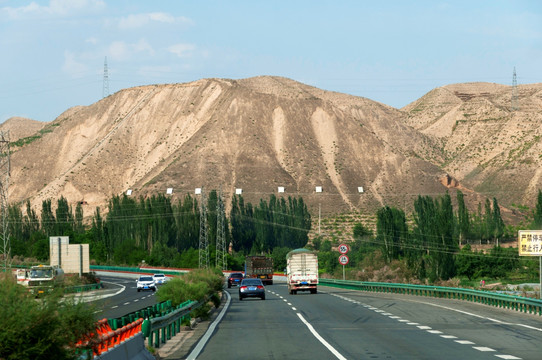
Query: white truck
{"type": "Point", "coordinates": [302, 271]}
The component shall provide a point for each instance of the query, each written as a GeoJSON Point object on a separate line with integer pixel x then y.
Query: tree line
{"type": "Point", "coordinates": [157, 230]}
{"type": "Point", "coordinates": [434, 243]}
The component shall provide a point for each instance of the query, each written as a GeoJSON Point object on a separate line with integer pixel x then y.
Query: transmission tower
{"type": "Point", "coordinates": [106, 80]}
{"type": "Point", "coordinates": [514, 103]}
{"type": "Point", "coordinates": [221, 249]}
{"type": "Point", "coordinates": [203, 241]}
{"type": "Point", "coordinates": [4, 186]}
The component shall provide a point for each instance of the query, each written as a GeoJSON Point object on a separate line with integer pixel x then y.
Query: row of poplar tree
{"type": "Point", "coordinates": [431, 247]}
{"type": "Point", "coordinates": [159, 231]}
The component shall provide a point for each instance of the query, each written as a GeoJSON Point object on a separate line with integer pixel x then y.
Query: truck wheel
{"type": "Point", "coordinates": [240, 298]}
{"type": "Point", "coordinates": [313, 291]}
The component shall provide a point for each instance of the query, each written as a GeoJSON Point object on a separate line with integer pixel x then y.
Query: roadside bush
{"type": "Point", "coordinates": [178, 290]}
{"type": "Point", "coordinates": [40, 329]}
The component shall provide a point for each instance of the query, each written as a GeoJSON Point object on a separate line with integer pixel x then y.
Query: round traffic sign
{"type": "Point", "coordinates": [343, 248]}
{"type": "Point", "coordinates": [343, 259]}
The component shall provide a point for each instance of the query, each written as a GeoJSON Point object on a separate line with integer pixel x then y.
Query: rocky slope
{"type": "Point", "coordinates": [261, 133]}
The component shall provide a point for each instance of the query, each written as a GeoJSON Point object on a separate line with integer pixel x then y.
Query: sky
{"type": "Point", "coordinates": [53, 52]}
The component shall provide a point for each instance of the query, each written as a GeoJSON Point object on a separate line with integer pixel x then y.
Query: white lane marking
{"type": "Point", "coordinates": [114, 307]}
{"type": "Point", "coordinates": [289, 304]}
{"type": "Point", "coordinates": [434, 331]}
{"type": "Point", "coordinates": [529, 327]}
{"type": "Point", "coordinates": [464, 342]}
{"type": "Point", "coordinates": [483, 348]}
{"type": "Point", "coordinates": [294, 309]}
{"type": "Point", "coordinates": [403, 320]}
{"type": "Point", "coordinates": [413, 323]}
{"type": "Point", "coordinates": [508, 357]}
{"type": "Point", "coordinates": [423, 327]}
{"type": "Point", "coordinates": [126, 303]}
{"type": "Point", "coordinates": [480, 316]}
{"type": "Point", "coordinates": [448, 336]}
{"type": "Point", "coordinates": [321, 339]}
{"type": "Point", "coordinates": [203, 341]}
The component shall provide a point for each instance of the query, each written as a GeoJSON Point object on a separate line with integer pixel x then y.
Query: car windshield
{"type": "Point", "coordinates": [145, 278]}
{"type": "Point", "coordinates": [159, 275]}
{"type": "Point", "coordinates": [237, 275]}
{"type": "Point", "coordinates": [252, 282]}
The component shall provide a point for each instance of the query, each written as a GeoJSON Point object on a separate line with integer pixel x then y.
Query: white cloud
{"type": "Point", "coordinates": [181, 50]}
{"type": "Point", "coordinates": [92, 40]}
{"type": "Point", "coordinates": [58, 8]}
{"type": "Point", "coordinates": [120, 51]}
{"type": "Point", "coordinates": [139, 20]}
{"type": "Point", "coordinates": [72, 66]}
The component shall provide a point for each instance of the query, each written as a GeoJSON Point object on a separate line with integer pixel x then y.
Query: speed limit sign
{"type": "Point", "coordinates": [343, 248]}
{"type": "Point", "coordinates": [343, 259]}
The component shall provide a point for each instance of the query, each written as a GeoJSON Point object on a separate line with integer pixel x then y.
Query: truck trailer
{"type": "Point", "coordinates": [260, 267]}
{"type": "Point", "coordinates": [302, 271]}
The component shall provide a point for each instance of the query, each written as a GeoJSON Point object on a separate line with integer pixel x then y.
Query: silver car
{"type": "Point", "coordinates": [251, 288]}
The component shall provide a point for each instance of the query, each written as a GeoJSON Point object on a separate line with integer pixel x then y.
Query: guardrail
{"type": "Point", "coordinates": [82, 288]}
{"type": "Point", "coordinates": [159, 330]}
{"type": "Point", "coordinates": [137, 270]}
{"type": "Point", "coordinates": [148, 312]}
{"type": "Point", "coordinates": [518, 303]}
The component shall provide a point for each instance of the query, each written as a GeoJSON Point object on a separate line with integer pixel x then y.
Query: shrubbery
{"type": "Point", "coordinates": [46, 328]}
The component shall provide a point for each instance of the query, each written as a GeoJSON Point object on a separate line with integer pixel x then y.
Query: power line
{"type": "Point", "coordinates": [105, 92]}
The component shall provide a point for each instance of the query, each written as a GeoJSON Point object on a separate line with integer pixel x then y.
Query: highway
{"type": "Point", "coordinates": [347, 324]}
{"type": "Point", "coordinates": [119, 297]}
{"type": "Point", "coordinates": [344, 324]}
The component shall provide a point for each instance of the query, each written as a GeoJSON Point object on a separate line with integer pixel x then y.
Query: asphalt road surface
{"type": "Point", "coordinates": [344, 324]}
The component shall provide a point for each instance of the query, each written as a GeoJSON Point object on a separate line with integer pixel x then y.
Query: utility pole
{"type": "Point", "coordinates": [203, 240]}
{"type": "Point", "coordinates": [221, 249]}
{"type": "Point", "coordinates": [4, 186]}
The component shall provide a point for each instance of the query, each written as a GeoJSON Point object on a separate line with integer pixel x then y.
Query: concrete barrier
{"type": "Point", "coordinates": [131, 349]}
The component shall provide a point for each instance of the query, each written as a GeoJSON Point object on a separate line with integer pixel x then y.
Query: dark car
{"type": "Point", "coordinates": [235, 279]}
{"type": "Point", "coordinates": [251, 288]}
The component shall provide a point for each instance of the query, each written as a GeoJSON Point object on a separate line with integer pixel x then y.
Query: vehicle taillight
{"type": "Point", "coordinates": [260, 287]}
{"type": "Point", "coordinates": [243, 288]}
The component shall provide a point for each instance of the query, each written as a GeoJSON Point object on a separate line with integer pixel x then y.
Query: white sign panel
{"type": "Point", "coordinates": [530, 242]}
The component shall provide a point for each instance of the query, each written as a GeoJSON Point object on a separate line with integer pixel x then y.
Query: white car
{"type": "Point", "coordinates": [146, 282]}
{"type": "Point", "coordinates": [159, 278]}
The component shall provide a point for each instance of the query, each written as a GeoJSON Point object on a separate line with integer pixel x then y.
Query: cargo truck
{"type": "Point", "coordinates": [260, 267]}
{"type": "Point", "coordinates": [302, 271]}
{"type": "Point", "coordinates": [43, 278]}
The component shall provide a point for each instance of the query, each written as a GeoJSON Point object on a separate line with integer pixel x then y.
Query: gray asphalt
{"type": "Point", "coordinates": [358, 325]}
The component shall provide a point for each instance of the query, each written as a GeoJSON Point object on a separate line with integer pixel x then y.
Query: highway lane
{"type": "Point", "coordinates": [118, 298]}
{"type": "Point", "coordinates": [345, 324]}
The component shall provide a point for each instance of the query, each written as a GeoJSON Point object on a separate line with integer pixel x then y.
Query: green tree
{"type": "Point", "coordinates": [463, 221]}
{"type": "Point", "coordinates": [537, 220]}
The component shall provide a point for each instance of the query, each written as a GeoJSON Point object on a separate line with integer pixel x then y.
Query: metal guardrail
{"type": "Point", "coordinates": [82, 288]}
{"type": "Point", "coordinates": [518, 303]}
{"type": "Point", "coordinates": [134, 270]}
{"type": "Point", "coordinates": [149, 312]}
{"type": "Point", "coordinates": [160, 329]}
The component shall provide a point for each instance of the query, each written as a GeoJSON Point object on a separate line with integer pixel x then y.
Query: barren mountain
{"type": "Point", "coordinates": [260, 133]}
{"type": "Point", "coordinates": [255, 134]}
{"type": "Point", "coordinates": [490, 136]}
